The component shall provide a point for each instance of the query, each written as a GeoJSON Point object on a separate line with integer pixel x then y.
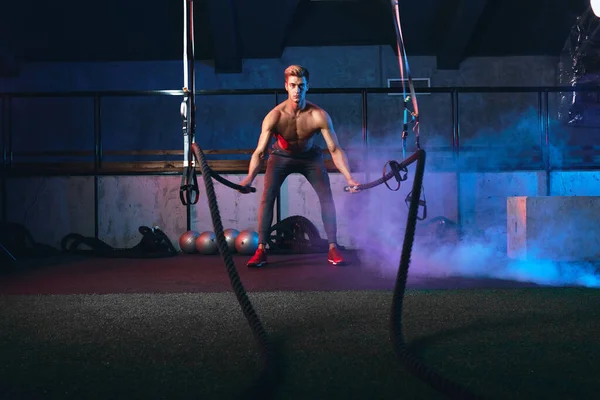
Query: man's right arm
{"type": "Point", "coordinates": [258, 155]}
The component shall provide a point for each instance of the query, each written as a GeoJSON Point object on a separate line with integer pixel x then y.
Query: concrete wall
{"type": "Point", "coordinates": [53, 207]}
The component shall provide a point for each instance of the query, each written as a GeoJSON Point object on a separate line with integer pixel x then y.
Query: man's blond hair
{"type": "Point", "coordinates": [296, 70]}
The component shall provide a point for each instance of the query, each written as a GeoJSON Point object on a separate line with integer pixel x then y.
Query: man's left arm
{"type": "Point", "coordinates": [337, 153]}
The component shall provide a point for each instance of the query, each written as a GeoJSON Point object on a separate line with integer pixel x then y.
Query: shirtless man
{"type": "Point", "coordinates": [293, 124]}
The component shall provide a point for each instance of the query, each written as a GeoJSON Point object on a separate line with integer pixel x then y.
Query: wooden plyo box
{"type": "Point", "coordinates": [559, 228]}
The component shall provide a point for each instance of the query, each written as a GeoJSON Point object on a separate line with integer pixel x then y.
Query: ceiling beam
{"type": "Point", "coordinates": [457, 37]}
{"type": "Point", "coordinates": [287, 18]}
{"type": "Point", "coordinates": [263, 36]}
{"type": "Point", "coordinates": [225, 36]}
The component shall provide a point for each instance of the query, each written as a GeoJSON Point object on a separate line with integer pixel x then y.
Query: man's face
{"type": "Point", "coordinates": [296, 88]}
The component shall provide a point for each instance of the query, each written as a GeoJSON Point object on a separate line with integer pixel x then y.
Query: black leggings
{"type": "Point", "coordinates": [310, 164]}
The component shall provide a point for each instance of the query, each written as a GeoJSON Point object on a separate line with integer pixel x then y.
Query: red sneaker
{"type": "Point", "coordinates": [258, 259]}
{"type": "Point", "coordinates": [335, 257]}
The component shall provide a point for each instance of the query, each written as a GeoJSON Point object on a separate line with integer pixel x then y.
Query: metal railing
{"type": "Point", "coordinates": [98, 168]}
{"type": "Point", "coordinates": [99, 155]}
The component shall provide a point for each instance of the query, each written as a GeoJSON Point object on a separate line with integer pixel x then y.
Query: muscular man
{"type": "Point", "coordinates": [294, 124]}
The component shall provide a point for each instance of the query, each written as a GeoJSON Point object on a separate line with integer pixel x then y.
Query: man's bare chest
{"type": "Point", "coordinates": [300, 127]}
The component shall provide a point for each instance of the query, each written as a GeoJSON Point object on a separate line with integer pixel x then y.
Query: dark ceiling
{"type": "Point", "coordinates": [228, 31]}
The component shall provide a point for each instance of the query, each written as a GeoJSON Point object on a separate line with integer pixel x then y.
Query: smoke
{"type": "Point", "coordinates": [478, 248]}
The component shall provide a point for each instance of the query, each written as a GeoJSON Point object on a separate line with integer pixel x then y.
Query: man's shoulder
{"type": "Point", "coordinates": [275, 112]}
{"type": "Point", "coordinates": [317, 111]}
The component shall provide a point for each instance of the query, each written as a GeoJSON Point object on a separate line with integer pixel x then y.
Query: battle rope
{"type": "Point", "coordinates": [395, 173]}
{"type": "Point", "coordinates": [271, 371]}
{"type": "Point", "coordinates": [154, 244]}
{"type": "Point", "coordinates": [16, 242]}
{"type": "Point", "coordinates": [266, 384]}
{"type": "Point", "coordinates": [412, 362]}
